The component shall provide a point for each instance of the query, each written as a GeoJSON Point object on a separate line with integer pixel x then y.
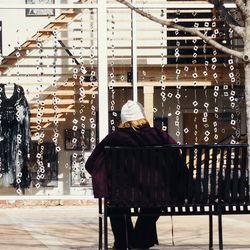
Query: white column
{"type": "Point", "coordinates": [148, 92]}
{"type": "Point", "coordinates": [134, 55]}
{"type": "Point", "coordinates": [102, 68]}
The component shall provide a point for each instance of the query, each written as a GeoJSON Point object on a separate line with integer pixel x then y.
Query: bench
{"type": "Point", "coordinates": [216, 182]}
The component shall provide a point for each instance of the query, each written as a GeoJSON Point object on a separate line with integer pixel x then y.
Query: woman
{"type": "Point", "coordinates": [133, 131]}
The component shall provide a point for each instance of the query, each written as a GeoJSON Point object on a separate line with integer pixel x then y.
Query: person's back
{"type": "Point", "coordinates": [133, 131]}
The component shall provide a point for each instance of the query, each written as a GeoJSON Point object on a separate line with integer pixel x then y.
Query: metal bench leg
{"type": "Point", "coordinates": [211, 247]}
{"type": "Point", "coordinates": [126, 227]}
{"type": "Point", "coordinates": [220, 228]}
{"type": "Point", "coordinates": [100, 212]}
{"type": "Point", "coordinates": [105, 222]}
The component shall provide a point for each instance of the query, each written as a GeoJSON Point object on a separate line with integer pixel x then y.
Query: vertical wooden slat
{"type": "Point", "coordinates": [137, 191]}
{"type": "Point", "coordinates": [121, 183]}
{"type": "Point", "coordinates": [183, 166]}
{"type": "Point", "coordinates": [190, 175]}
{"type": "Point", "coordinates": [128, 175]}
{"type": "Point", "coordinates": [227, 175]}
{"type": "Point", "coordinates": [206, 174]}
{"type": "Point", "coordinates": [133, 176]}
{"type": "Point", "coordinates": [154, 176]}
{"type": "Point", "coordinates": [141, 161]}
{"type": "Point", "coordinates": [166, 172]}
{"type": "Point", "coordinates": [235, 174]}
{"type": "Point", "coordinates": [108, 166]}
{"type": "Point", "coordinates": [213, 174]}
{"type": "Point", "coordinates": [220, 174]}
{"type": "Point", "coordinates": [114, 173]}
{"type": "Point", "coordinates": [162, 177]}
{"type": "Point", "coordinates": [149, 182]}
{"type": "Point", "coordinates": [243, 192]}
{"type": "Point", "coordinates": [198, 175]}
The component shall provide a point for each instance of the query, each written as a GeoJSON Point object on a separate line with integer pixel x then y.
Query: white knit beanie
{"type": "Point", "coordinates": [132, 111]}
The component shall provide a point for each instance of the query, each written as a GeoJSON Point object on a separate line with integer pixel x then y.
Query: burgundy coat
{"type": "Point", "coordinates": [122, 137]}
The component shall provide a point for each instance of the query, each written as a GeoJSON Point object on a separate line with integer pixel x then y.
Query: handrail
{"type": "Point", "coordinates": [180, 145]}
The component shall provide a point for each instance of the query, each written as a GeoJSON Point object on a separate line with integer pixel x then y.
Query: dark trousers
{"type": "Point", "coordinates": [143, 235]}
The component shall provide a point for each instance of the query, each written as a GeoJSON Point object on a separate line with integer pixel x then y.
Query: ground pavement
{"type": "Point", "coordinates": [76, 227]}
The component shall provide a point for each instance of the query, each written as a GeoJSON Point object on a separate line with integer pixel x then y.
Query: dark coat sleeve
{"type": "Point", "coordinates": [96, 167]}
{"type": "Point", "coordinates": [96, 158]}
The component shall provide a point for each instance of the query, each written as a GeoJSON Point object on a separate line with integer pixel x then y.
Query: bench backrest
{"type": "Point", "coordinates": [177, 174]}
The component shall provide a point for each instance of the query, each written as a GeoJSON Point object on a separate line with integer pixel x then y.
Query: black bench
{"type": "Point", "coordinates": [216, 182]}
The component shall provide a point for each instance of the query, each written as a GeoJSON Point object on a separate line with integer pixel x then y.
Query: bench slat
{"type": "Point", "coordinates": [243, 185]}
{"type": "Point", "coordinates": [206, 176]}
{"type": "Point", "coordinates": [191, 174]}
{"type": "Point", "coordinates": [226, 195]}
{"type": "Point", "coordinates": [235, 180]}
{"type": "Point", "coordinates": [220, 174]}
{"type": "Point", "coordinates": [213, 194]}
{"type": "Point", "coordinates": [198, 175]}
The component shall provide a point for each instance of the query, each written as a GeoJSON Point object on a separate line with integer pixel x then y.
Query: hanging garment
{"type": "Point", "coordinates": [14, 137]}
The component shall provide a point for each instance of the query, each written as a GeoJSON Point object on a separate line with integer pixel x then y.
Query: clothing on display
{"type": "Point", "coordinates": [14, 137]}
{"type": "Point", "coordinates": [48, 159]}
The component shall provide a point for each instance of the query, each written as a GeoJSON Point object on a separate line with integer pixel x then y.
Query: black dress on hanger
{"type": "Point", "coordinates": [14, 137]}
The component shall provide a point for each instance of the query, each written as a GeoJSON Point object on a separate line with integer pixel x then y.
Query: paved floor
{"type": "Point", "coordinates": [59, 228]}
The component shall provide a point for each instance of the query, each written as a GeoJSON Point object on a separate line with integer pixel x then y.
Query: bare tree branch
{"type": "Point", "coordinates": [185, 29]}
{"type": "Point", "coordinates": [242, 7]}
{"type": "Point", "coordinates": [238, 30]}
{"type": "Point", "coordinates": [229, 19]}
{"type": "Point", "coordinates": [219, 4]}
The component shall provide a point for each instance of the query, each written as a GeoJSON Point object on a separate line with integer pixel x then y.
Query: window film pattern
{"type": "Point", "coordinates": [197, 92]}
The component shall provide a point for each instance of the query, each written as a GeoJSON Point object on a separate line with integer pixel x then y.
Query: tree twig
{"type": "Point", "coordinates": [185, 29]}
{"type": "Point", "coordinates": [242, 7]}
{"type": "Point", "coordinates": [229, 19]}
